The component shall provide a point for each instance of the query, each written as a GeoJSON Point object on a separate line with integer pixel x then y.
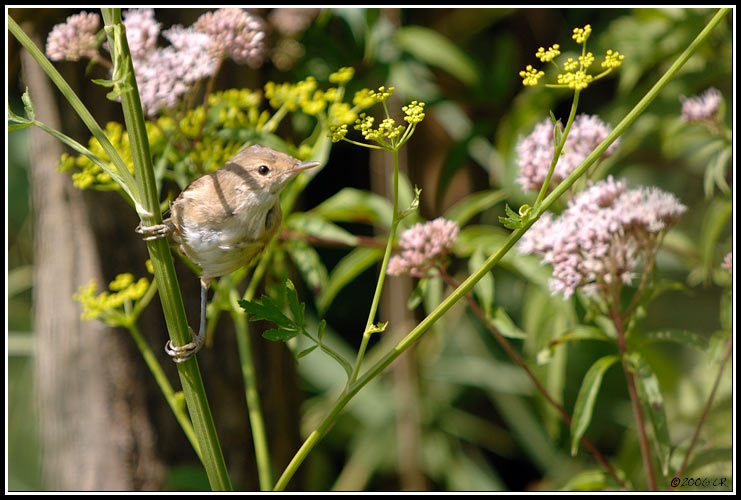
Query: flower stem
{"type": "Point", "coordinates": [381, 276]}
{"type": "Point", "coordinates": [635, 403]}
{"type": "Point", "coordinates": [558, 149]}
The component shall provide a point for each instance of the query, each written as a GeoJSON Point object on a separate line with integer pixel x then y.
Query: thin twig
{"type": "Point", "coordinates": [706, 410]}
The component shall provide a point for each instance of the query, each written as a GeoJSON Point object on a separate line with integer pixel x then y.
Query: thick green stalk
{"type": "Point", "coordinates": [164, 270]}
{"type": "Point", "coordinates": [469, 283]}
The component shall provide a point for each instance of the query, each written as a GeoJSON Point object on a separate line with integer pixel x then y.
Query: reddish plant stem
{"type": "Point", "coordinates": [617, 319]}
{"type": "Point", "coordinates": [521, 363]}
{"type": "Point", "coordinates": [706, 410]}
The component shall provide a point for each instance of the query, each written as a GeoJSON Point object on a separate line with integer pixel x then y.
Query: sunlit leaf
{"type": "Point", "coordinates": [584, 406]}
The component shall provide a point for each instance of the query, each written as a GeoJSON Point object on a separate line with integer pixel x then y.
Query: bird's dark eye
{"type": "Point", "coordinates": [263, 169]}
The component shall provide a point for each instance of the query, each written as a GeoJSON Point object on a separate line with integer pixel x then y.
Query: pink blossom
{"type": "Point", "coordinates": [74, 39]}
{"type": "Point", "coordinates": [727, 263]}
{"type": "Point", "coordinates": [141, 31]}
{"type": "Point", "coordinates": [601, 234]}
{"type": "Point", "coordinates": [237, 34]}
{"type": "Point", "coordinates": [701, 108]}
{"type": "Point", "coordinates": [423, 245]}
{"type": "Point", "coordinates": [535, 152]}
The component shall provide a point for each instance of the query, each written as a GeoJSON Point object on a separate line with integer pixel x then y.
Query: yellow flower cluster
{"type": "Point", "coordinates": [342, 76]}
{"type": "Point", "coordinates": [530, 76]}
{"type": "Point", "coordinates": [548, 55]}
{"type": "Point", "coordinates": [613, 59]}
{"type": "Point", "coordinates": [106, 305]}
{"type": "Point", "coordinates": [414, 112]}
{"type": "Point", "coordinates": [574, 74]}
{"type": "Point", "coordinates": [211, 152]}
{"type": "Point", "coordinates": [582, 34]}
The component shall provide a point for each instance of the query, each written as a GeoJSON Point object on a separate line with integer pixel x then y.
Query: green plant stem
{"type": "Point", "coordinates": [159, 376]}
{"type": "Point", "coordinates": [558, 149]}
{"type": "Point", "coordinates": [493, 260]}
{"type": "Point", "coordinates": [164, 270]}
{"type": "Point", "coordinates": [706, 410]}
{"type": "Point", "coordinates": [252, 396]}
{"type": "Point", "coordinates": [381, 275]}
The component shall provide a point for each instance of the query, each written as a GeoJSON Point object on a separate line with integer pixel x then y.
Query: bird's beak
{"type": "Point", "coordinates": [303, 165]}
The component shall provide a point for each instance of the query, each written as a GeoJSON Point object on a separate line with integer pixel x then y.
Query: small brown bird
{"type": "Point", "coordinates": [223, 220]}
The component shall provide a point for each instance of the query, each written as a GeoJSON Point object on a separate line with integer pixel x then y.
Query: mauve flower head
{"type": "Point", "coordinates": [727, 263]}
{"type": "Point", "coordinates": [535, 152]}
{"type": "Point", "coordinates": [141, 31]}
{"type": "Point", "coordinates": [289, 21]}
{"type": "Point", "coordinates": [703, 107]}
{"type": "Point", "coordinates": [600, 235]}
{"type": "Point", "coordinates": [237, 34]}
{"type": "Point", "coordinates": [164, 74]}
{"type": "Point", "coordinates": [74, 39]}
{"type": "Point", "coordinates": [423, 245]}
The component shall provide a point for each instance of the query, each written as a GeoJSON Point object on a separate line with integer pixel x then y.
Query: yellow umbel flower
{"type": "Point", "coordinates": [548, 55]}
{"type": "Point", "coordinates": [613, 59]}
{"type": "Point", "coordinates": [342, 76]}
{"type": "Point", "coordinates": [530, 76]}
{"type": "Point", "coordinates": [582, 34]}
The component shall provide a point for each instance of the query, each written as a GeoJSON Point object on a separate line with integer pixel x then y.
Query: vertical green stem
{"type": "Point", "coordinates": [159, 251]}
{"type": "Point", "coordinates": [252, 396]}
{"type": "Point", "coordinates": [558, 149]}
{"type": "Point", "coordinates": [382, 275]}
{"type": "Point", "coordinates": [159, 376]}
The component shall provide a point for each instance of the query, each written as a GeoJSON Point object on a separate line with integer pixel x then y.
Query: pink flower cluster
{"type": "Point", "coordinates": [727, 263]}
{"type": "Point", "coordinates": [535, 152]}
{"type": "Point", "coordinates": [74, 39]}
{"type": "Point", "coordinates": [423, 245]}
{"type": "Point", "coordinates": [597, 240]}
{"type": "Point", "coordinates": [165, 74]}
{"type": "Point", "coordinates": [236, 33]}
{"type": "Point", "coordinates": [703, 107]}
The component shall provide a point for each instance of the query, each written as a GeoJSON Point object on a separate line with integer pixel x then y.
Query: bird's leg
{"type": "Point", "coordinates": [156, 231]}
{"type": "Point", "coordinates": [185, 352]}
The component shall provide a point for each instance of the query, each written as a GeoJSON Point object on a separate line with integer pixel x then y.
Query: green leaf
{"type": "Point", "coordinates": [349, 267]}
{"type": "Point", "coordinates": [592, 480]}
{"type": "Point", "coordinates": [297, 308]}
{"type": "Point", "coordinates": [684, 337]}
{"type": "Point", "coordinates": [306, 351]}
{"type": "Point", "coordinates": [318, 226]}
{"type": "Point", "coordinates": [417, 295]}
{"type": "Point", "coordinates": [267, 309]}
{"type": "Point", "coordinates": [584, 406]}
{"type": "Point", "coordinates": [652, 402]}
{"type": "Point", "coordinates": [468, 207]}
{"type": "Point", "coordinates": [309, 264]}
{"type": "Point", "coordinates": [18, 126]}
{"type": "Point", "coordinates": [484, 289]}
{"type": "Point", "coordinates": [354, 205]}
{"type": "Point", "coordinates": [506, 326]}
{"type": "Point", "coordinates": [434, 49]}
{"type": "Point", "coordinates": [28, 105]}
{"type": "Point", "coordinates": [320, 329]}
{"type": "Point", "coordinates": [512, 220]}
{"type": "Point", "coordinates": [709, 456]}
{"type": "Point", "coordinates": [280, 334]}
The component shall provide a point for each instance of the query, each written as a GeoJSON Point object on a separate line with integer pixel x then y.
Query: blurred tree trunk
{"type": "Point", "coordinates": [95, 430]}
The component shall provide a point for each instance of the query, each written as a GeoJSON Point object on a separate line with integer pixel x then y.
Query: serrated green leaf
{"type": "Point", "coordinates": [349, 267]}
{"type": "Point", "coordinates": [268, 310]}
{"type": "Point", "coordinates": [468, 207]}
{"type": "Point", "coordinates": [584, 406]}
{"type": "Point", "coordinates": [297, 308]}
{"type": "Point", "coordinates": [434, 49]}
{"type": "Point", "coordinates": [649, 394]}
{"type": "Point", "coordinates": [316, 225]}
{"type": "Point", "coordinates": [506, 326]}
{"type": "Point", "coordinates": [355, 205]}
{"type": "Point", "coordinates": [281, 334]}
{"type": "Point", "coordinates": [306, 351]}
{"type": "Point", "coordinates": [512, 220]}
